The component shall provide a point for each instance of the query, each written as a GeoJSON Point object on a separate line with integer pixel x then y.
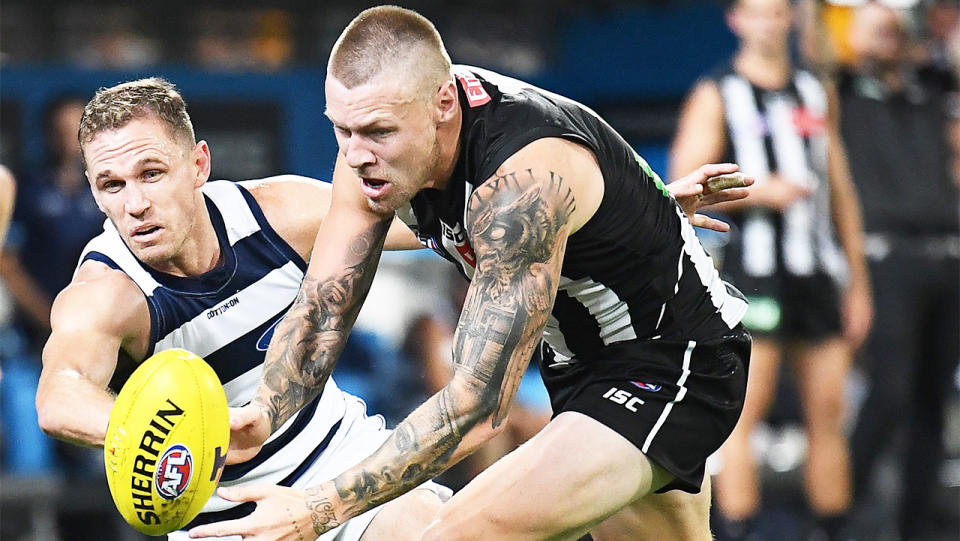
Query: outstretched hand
{"type": "Point", "coordinates": [282, 514]}
{"type": "Point", "coordinates": [249, 428]}
{"type": "Point", "coordinates": [708, 185]}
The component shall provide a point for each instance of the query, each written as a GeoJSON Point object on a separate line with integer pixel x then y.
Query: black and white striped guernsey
{"type": "Point", "coordinates": [634, 272]}
{"type": "Point", "coordinates": [227, 316]}
{"type": "Point", "coordinates": [782, 131]}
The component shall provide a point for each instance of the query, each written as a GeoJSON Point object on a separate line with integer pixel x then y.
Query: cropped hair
{"type": "Point", "coordinates": [386, 36]}
{"type": "Point", "coordinates": [115, 107]}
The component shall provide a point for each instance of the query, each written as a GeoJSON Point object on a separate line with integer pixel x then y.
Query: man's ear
{"type": "Point", "coordinates": [201, 161]}
{"type": "Point", "coordinates": [447, 100]}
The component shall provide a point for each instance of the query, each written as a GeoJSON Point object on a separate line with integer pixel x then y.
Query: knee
{"type": "Point", "coordinates": [826, 410]}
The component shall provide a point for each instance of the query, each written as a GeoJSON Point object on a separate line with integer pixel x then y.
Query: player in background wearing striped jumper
{"type": "Point", "coordinates": [808, 299]}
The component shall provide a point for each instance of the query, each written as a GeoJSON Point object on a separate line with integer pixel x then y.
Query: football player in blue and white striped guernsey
{"type": "Point", "coordinates": [210, 267]}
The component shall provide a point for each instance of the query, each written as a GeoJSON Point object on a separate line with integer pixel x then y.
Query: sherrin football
{"type": "Point", "coordinates": [166, 441]}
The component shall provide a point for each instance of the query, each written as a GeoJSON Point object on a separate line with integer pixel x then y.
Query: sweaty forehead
{"type": "Point", "coordinates": [381, 98]}
{"type": "Point", "coordinates": [129, 144]}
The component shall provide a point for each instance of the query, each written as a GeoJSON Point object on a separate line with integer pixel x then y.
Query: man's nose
{"type": "Point", "coordinates": [356, 153]}
{"type": "Point", "coordinates": [136, 202]}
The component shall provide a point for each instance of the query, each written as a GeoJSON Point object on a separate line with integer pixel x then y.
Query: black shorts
{"type": "Point", "coordinates": [676, 401]}
{"type": "Point", "coordinates": [793, 308]}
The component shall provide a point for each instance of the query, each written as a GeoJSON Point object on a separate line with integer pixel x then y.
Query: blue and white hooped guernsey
{"type": "Point", "coordinates": [227, 316]}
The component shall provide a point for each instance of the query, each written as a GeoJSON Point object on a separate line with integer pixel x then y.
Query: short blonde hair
{"type": "Point", "coordinates": [113, 108]}
{"type": "Point", "coordinates": [386, 36]}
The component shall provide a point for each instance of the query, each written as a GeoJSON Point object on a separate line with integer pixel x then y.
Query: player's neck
{"type": "Point", "coordinates": [200, 252]}
{"type": "Point", "coordinates": [448, 138]}
{"type": "Point", "coordinates": [764, 68]}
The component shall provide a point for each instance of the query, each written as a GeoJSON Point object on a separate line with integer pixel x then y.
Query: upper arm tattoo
{"type": "Point", "coordinates": [307, 343]}
{"type": "Point", "coordinates": [518, 224]}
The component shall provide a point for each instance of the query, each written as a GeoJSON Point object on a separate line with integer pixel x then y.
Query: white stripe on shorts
{"type": "Point", "coordinates": [680, 394]}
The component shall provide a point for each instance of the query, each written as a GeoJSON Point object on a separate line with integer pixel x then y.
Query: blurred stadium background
{"type": "Point", "coordinates": [252, 76]}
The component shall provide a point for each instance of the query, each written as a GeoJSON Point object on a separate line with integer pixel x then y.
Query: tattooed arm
{"type": "Point", "coordinates": [309, 339]}
{"type": "Point", "coordinates": [518, 224]}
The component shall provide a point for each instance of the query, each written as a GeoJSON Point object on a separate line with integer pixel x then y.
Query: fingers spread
{"type": "Point", "coordinates": [729, 194]}
{"type": "Point", "coordinates": [722, 182]}
{"type": "Point", "coordinates": [706, 222]}
{"type": "Point", "coordinates": [684, 189]}
{"type": "Point", "coordinates": [714, 169]}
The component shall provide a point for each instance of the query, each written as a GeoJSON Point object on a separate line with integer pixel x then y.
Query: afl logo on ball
{"type": "Point", "coordinates": [173, 472]}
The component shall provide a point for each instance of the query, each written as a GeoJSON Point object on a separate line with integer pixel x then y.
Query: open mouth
{"type": "Point", "coordinates": [374, 187]}
{"type": "Point", "coordinates": [145, 232]}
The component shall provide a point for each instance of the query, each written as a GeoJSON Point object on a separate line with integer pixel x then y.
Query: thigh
{"type": "Point", "coordinates": [762, 380]}
{"type": "Point", "coordinates": [674, 515]}
{"type": "Point", "coordinates": [568, 478]}
{"type": "Point", "coordinates": [821, 369]}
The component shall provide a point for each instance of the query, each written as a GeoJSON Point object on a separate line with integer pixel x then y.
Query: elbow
{"type": "Point", "coordinates": [51, 423]}
{"type": "Point", "coordinates": [482, 411]}
{"type": "Point", "coordinates": [491, 429]}
{"type": "Point", "coordinates": [50, 416]}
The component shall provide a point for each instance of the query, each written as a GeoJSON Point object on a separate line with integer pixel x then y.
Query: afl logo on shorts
{"type": "Point", "coordinates": [174, 471]}
{"type": "Point", "coordinates": [652, 387]}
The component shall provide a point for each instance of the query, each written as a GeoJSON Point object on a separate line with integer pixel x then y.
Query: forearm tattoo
{"type": "Point", "coordinates": [306, 344]}
{"type": "Point", "coordinates": [321, 511]}
{"type": "Point", "coordinates": [518, 225]}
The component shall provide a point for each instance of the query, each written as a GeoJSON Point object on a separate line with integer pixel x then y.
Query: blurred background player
{"type": "Point", "coordinates": [809, 301]}
{"type": "Point", "coordinates": [208, 267]}
{"type": "Point", "coordinates": [896, 121]}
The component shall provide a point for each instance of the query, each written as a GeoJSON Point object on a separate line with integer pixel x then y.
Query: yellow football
{"type": "Point", "coordinates": [166, 441]}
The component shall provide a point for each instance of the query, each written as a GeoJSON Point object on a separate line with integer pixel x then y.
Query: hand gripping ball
{"type": "Point", "coordinates": [166, 441]}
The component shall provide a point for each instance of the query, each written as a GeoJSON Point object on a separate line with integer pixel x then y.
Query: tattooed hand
{"type": "Point", "coordinates": [321, 508]}
{"type": "Point", "coordinates": [282, 513]}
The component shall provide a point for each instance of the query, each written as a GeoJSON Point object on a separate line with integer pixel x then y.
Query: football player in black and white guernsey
{"type": "Point", "coordinates": [565, 234]}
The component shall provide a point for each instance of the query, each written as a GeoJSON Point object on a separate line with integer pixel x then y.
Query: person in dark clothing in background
{"type": "Point", "coordinates": [895, 122]}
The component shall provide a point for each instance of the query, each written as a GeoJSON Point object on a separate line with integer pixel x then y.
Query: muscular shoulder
{"type": "Point", "coordinates": [102, 300]}
{"type": "Point", "coordinates": [564, 174]}
{"type": "Point", "coordinates": [294, 205]}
